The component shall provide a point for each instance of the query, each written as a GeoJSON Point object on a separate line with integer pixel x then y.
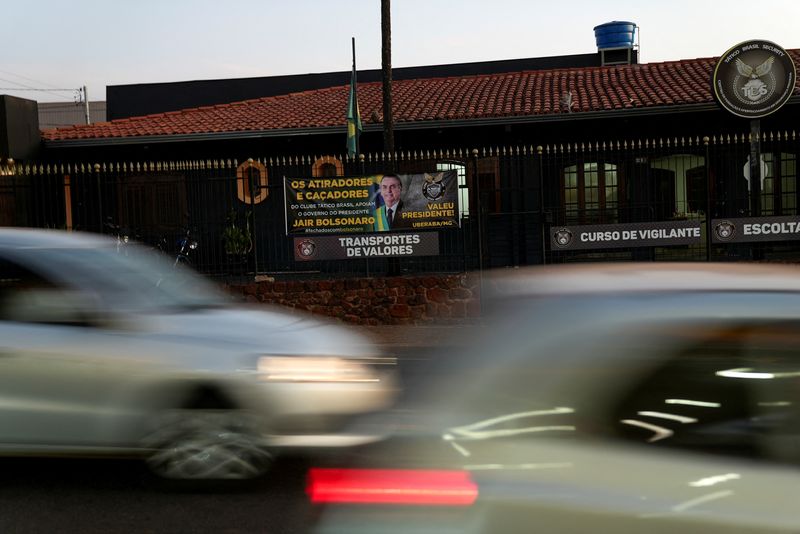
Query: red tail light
{"type": "Point", "coordinates": [391, 486]}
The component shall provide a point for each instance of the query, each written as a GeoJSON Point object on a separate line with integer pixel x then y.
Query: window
{"type": "Point", "coordinates": [728, 390]}
{"type": "Point", "coordinates": [681, 188]}
{"type": "Point", "coordinates": [779, 186]}
{"type": "Point", "coordinates": [590, 193]}
{"type": "Point", "coordinates": [152, 205]}
{"type": "Point", "coordinates": [463, 193]}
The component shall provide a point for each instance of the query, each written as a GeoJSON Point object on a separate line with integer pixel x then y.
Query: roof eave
{"type": "Point", "coordinates": [411, 125]}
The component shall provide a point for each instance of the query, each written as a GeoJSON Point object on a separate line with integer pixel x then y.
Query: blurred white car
{"type": "Point", "coordinates": [598, 398]}
{"type": "Point", "coordinates": [110, 351]}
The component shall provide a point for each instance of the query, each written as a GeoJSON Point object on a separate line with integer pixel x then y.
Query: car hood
{"type": "Point", "coordinates": [256, 330]}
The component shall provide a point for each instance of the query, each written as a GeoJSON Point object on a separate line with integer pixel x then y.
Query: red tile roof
{"type": "Point", "coordinates": [515, 94]}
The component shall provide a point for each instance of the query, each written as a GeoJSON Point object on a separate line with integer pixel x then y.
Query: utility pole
{"type": "Point", "coordinates": [86, 105]}
{"type": "Point", "coordinates": [386, 67]}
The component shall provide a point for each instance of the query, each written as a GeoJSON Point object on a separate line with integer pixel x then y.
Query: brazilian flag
{"type": "Point", "coordinates": [354, 127]}
{"type": "Point", "coordinates": [381, 223]}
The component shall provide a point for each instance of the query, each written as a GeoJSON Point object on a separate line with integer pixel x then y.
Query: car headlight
{"type": "Point", "coordinates": [313, 369]}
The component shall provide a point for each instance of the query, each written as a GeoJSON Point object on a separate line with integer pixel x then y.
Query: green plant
{"type": "Point", "coordinates": [237, 243]}
{"type": "Point", "coordinates": [237, 240]}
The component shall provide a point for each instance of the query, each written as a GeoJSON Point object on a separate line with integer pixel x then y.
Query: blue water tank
{"type": "Point", "coordinates": [616, 34]}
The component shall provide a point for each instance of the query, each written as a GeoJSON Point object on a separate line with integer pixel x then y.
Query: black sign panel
{"type": "Point", "coordinates": [751, 229]}
{"type": "Point", "coordinates": [376, 203]}
{"type": "Point", "coordinates": [652, 234]}
{"type": "Point", "coordinates": [754, 79]}
{"type": "Point", "coordinates": [366, 246]}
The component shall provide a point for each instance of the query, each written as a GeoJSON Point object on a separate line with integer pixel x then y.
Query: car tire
{"type": "Point", "coordinates": [207, 444]}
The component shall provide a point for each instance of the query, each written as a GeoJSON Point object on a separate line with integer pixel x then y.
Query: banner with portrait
{"type": "Point", "coordinates": [374, 203]}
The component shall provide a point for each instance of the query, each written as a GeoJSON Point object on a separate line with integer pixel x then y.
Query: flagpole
{"type": "Point", "coordinates": [355, 80]}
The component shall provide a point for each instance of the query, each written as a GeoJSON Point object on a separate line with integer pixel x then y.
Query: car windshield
{"type": "Point", "coordinates": [138, 279]}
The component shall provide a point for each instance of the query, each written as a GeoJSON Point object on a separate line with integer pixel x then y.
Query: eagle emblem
{"type": "Point", "coordinates": [754, 89]}
{"type": "Point", "coordinates": [562, 237]}
{"type": "Point", "coordinates": [306, 248]}
{"type": "Point", "coordinates": [725, 230]}
{"type": "Point", "coordinates": [433, 188]}
{"type": "Point", "coordinates": [757, 72]}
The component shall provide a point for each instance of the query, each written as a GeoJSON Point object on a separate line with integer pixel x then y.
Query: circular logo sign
{"type": "Point", "coordinates": [433, 188]}
{"type": "Point", "coordinates": [306, 248]}
{"type": "Point", "coordinates": [725, 230]}
{"type": "Point", "coordinates": [754, 79]}
{"type": "Point", "coordinates": [562, 237]}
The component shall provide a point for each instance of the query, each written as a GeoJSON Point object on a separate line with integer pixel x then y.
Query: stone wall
{"type": "Point", "coordinates": [374, 301]}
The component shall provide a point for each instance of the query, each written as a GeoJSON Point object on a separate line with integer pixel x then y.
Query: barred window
{"type": "Point", "coordinates": [590, 193]}
{"type": "Point", "coordinates": [779, 186]}
{"type": "Point", "coordinates": [463, 193]}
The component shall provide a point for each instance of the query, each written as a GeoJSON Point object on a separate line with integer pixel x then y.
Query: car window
{"type": "Point", "coordinates": [137, 280]}
{"type": "Point", "coordinates": [21, 292]}
{"type": "Point", "coordinates": [730, 390]}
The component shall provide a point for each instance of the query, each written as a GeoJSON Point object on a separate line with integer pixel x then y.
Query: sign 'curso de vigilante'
{"type": "Point", "coordinates": [652, 234]}
{"type": "Point", "coordinates": [754, 79]}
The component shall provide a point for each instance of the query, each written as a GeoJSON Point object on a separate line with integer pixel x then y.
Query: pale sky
{"type": "Point", "coordinates": [66, 44]}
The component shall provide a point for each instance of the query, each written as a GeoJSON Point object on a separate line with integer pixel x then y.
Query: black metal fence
{"type": "Point", "coordinates": [236, 210]}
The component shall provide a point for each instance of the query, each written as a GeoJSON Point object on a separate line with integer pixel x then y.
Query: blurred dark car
{"type": "Point", "coordinates": [119, 351]}
{"type": "Point", "coordinates": [598, 398]}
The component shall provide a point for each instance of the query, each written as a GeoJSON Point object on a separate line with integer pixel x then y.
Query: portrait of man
{"type": "Point", "coordinates": [391, 189]}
